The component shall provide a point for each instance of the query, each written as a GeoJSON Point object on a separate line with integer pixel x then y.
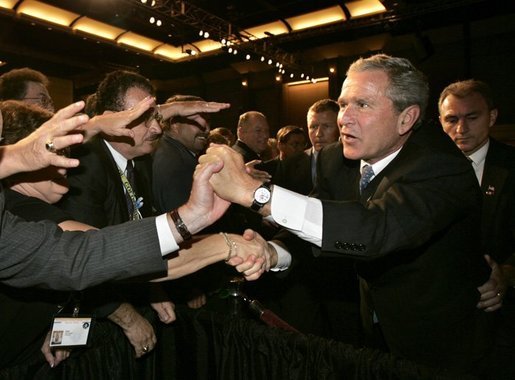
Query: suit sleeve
{"type": "Point", "coordinates": [41, 254]}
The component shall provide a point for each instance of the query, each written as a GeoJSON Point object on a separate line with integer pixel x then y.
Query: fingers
{"type": "Point", "coordinates": [61, 354]}
{"type": "Point", "coordinates": [68, 111]}
{"type": "Point", "coordinates": [166, 312]}
{"type": "Point", "coordinates": [252, 268]}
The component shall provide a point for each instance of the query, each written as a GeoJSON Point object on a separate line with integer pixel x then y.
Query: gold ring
{"type": "Point", "coordinates": [499, 294]}
{"type": "Point", "coordinates": [49, 145]}
{"type": "Point", "coordinates": [145, 348]}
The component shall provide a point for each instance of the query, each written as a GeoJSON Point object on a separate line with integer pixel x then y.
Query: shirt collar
{"type": "Point", "coordinates": [381, 164]}
{"type": "Point", "coordinates": [479, 156]}
{"type": "Point", "coordinates": [120, 161]}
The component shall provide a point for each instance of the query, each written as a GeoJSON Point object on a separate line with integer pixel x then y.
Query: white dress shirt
{"type": "Point", "coordinates": [478, 161]}
{"type": "Point", "coordinates": [303, 215]}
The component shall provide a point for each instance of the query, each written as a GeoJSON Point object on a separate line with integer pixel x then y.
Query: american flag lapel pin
{"type": "Point", "coordinates": [490, 190]}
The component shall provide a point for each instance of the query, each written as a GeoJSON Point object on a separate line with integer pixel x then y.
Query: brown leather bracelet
{"type": "Point", "coordinates": [180, 226]}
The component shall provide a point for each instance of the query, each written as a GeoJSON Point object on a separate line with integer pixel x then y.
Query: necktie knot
{"type": "Point", "coordinates": [366, 176]}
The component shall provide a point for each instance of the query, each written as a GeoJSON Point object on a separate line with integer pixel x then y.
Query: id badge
{"type": "Point", "coordinates": [70, 331]}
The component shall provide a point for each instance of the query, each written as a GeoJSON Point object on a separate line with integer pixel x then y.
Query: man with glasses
{"type": "Point", "coordinates": [112, 186]}
{"type": "Point", "coordinates": [26, 85]}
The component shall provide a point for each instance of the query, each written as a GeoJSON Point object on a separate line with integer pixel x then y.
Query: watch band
{"type": "Point", "coordinates": [180, 226]}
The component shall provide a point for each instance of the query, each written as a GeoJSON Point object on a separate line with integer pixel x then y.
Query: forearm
{"type": "Point", "coordinates": [202, 252]}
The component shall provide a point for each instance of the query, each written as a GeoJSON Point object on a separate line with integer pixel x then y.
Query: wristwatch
{"type": "Point", "coordinates": [262, 196]}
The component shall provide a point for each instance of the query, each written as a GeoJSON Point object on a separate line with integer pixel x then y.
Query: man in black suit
{"type": "Point", "coordinates": [467, 112]}
{"type": "Point", "coordinates": [411, 223]}
{"type": "Point", "coordinates": [102, 193]}
{"type": "Point", "coordinates": [298, 173]}
{"type": "Point", "coordinates": [253, 133]}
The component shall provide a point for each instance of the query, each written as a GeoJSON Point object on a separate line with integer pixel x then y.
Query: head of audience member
{"type": "Point", "coordinates": [27, 85]}
{"type": "Point", "coordinates": [467, 112]}
{"type": "Point", "coordinates": [227, 133]}
{"type": "Point", "coordinates": [383, 99]}
{"type": "Point", "coordinates": [20, 119]}
{"type": "Point", "coordinates": [191, 131]}
{"type": "Point", "coordinates": [322, 123]}
{"type": "Point", "coordinates": [271, 151]}
{"type": "Point", "coordinates": [290, 141]}
{"type": "Point", "coordinates": [253, 131]}
{"type": "Point", "coordinates": [217, 138]}
{"type": "Point", "coordinates": [122, 90]}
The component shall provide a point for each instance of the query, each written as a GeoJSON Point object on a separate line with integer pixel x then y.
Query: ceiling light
{"type": "Point", "coordinates": [206, 34]}
{"type": "Point", "coordinates": [138, 41]}
{"type": "Point", "coordinates": [270, 61]}
{"type": "Point", "coordinates": [244, 83]}
{"type": "Point", "coordinates": [271, 29]}
{"type": "Point", "coordinates": [97, 28]}
{"type": "Point", "coordinates": [9, 4]}
{"type": "Point", "coordinates": [46, 12]}
{"type": "Point", "coordinates": [317, 18]}
{"type": "Point", "coordinates": [159, 23]}
{"type": "Point", "coordinates": [247, 57]}
{"type": "Point", "coordinates": [152, 20]}
{"type": "Point", "coordinates": [363, 8]}
{"type": "Point", "coordinates": [332, 69]}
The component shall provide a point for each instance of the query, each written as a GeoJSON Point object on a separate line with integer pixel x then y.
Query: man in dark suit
{"type": "Point", "coordinates": [411, 223]}
{"type": "Point", "coordinates": [253, 133]}
{"type": "Point", "coordinates": [112, 186]}
{"type": "Point", "coordinates": [298, 173]}
{"type": "Point", "coordinates": [467, 112]}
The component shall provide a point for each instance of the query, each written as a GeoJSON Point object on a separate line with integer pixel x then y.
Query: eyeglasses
{"type": "Point", "coordinates": [44, 100]}
{"type": "Point", "coordinates": [147, 117]}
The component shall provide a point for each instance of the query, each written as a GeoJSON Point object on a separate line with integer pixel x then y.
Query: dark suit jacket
{"type": "Point", "coordinates": [415, 235]}
{"type": "Point", "coordinates": [247, 153]}
{"type": "Point", "coordinates": [41, 254]}
{"type": "Point", "coordinates": [96, 196]}
{"type": "Point", "coordinates": [173, 167]}
{"type": "Point", "coordinates": [294, 173]}
{"type": "Point", "coordinates": [498, 187]}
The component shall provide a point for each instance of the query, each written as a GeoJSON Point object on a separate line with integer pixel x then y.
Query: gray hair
{"type": "Point", "coordinates": [408, 86]}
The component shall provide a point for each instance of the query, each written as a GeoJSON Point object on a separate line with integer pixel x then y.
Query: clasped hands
{"type": "Point", "coordinates": [230, 181]}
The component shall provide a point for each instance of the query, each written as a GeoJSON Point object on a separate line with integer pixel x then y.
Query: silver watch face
{"type": "Point", "coordinates": [262, 195]}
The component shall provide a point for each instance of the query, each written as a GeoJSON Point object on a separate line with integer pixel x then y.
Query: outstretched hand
{"type": "Point", "coordinates": [42, 147]}
{"type": "Point", "coordinates": [188, 108]}
{"type": "Point", "coordinates": [253, 255]}
{"type": "Point", "coordinates": [117, 123]}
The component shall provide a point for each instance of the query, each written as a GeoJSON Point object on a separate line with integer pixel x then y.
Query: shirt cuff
{"type": "Point", "coordinates": [167, 242]}
{"type": "Point", "coordinates": [283, 258]}
{"type": "Point", "coordinates": [300, 214]}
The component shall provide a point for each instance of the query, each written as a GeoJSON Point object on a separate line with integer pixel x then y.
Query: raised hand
{"type": "Point", "coordinates": [42, 147]}
{"type": "Point", "coordinates": [116, 123]}
{"type": "Point", "coordinates": [188, 108]}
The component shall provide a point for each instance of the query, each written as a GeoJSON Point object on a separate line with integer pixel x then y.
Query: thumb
{"type": "Point", "coordinates": [249, 234]}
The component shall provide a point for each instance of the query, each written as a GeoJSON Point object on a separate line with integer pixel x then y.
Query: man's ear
{"type": "Point", "coordinates": [493, 117]}
{"type": "Point", "coordinates": [407, 119]}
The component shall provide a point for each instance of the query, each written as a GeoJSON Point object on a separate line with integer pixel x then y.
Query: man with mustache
{"type": "Point", "coordinates": [102, 194]}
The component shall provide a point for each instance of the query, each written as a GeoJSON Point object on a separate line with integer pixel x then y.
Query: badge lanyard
{"type": "Point", "coordinates": [137, 203]}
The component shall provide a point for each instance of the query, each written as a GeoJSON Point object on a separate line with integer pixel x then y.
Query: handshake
{"type": "Point", "coordinates": [221, 178]}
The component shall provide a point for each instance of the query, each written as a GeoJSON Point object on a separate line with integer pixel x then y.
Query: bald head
{"type": "Point", "coordinates": [253, 130]}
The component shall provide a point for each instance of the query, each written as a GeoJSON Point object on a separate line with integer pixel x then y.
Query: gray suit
{"type": "Point", "coordinates": [41, 254]}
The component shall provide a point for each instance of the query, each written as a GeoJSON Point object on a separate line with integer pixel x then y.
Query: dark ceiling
{"type": "Point", "coordinates": [63, 54]}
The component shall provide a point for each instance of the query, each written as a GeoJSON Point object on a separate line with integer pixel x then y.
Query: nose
{"type": "Point", "coordinates": [155, 128]}
{"type": "Point", "coordinates": [461, 125]}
